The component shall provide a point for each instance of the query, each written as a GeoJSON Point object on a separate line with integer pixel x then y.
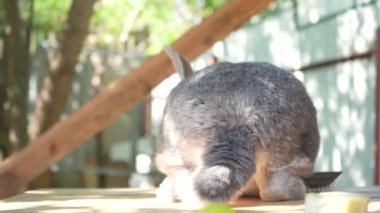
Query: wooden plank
{"type": "Point", "coordinates": [133, 200]}
{"type": "Point", "coordinates": [67, 135]}
{"type": "Point", "coordinates": [109, 200]}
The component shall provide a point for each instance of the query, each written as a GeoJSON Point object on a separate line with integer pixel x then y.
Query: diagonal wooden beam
{"type": "Point", "coordinates": [65, 136]}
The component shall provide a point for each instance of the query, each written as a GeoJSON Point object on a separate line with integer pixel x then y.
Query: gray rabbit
{"type": "Point", "coordinates": [236, 129]}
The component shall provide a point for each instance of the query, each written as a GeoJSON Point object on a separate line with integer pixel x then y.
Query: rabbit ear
{"type": "Point", "coordinates": [180, 64]}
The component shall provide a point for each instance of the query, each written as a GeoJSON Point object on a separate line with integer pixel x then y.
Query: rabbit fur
{"type": "Point", "coordinates": [235, 129]}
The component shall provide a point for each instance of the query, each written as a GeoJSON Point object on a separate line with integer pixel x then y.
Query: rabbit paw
{"type": "Point", "coordinates": [165, 191]}
{"type": "Point", "coordinates": [178, 187]}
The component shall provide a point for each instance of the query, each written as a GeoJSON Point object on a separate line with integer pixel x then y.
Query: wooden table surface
{"type": "Point", "coordinates": [133, 200]}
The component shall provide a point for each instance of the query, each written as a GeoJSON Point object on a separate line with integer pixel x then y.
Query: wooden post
{"type": "Point", "coordinates": [65, 136]}
{"type": "Point", "coordinates": [377, 108]}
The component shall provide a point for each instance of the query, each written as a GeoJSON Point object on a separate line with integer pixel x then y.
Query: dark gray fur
{"type": "Point", "coordinates": [239, 128]}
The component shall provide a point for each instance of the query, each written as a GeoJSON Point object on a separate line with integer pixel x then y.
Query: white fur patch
{"type": "Point", "coordinates": [220, 172]}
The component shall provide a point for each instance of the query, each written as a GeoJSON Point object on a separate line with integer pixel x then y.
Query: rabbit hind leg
{"type": "Point", "coordinates": [282, 183]}
{"type": "Point", "coordinates": [251, 189]}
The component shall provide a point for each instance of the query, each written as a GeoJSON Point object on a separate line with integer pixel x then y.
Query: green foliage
{"type": "Point", "coordinates": [108, 17]}
{"type": "Point", "coordinates": [50, 14]}
{"type": "Point", "coordinates": [163, 20]}
{"type": "Point", "coordinates": [210, 5]}
{"type": "Point", "coordinates": [165, 23]}
{"type": "Point", "coordinates": [123, 24]}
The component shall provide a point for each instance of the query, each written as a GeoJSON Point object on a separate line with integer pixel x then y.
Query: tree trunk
{"type": "Point", "coordinates": [57, 82]}
{"type": "Point", "coordinates": [5, 145]}
{"type": "Point", "coordinates": [16, 76]}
